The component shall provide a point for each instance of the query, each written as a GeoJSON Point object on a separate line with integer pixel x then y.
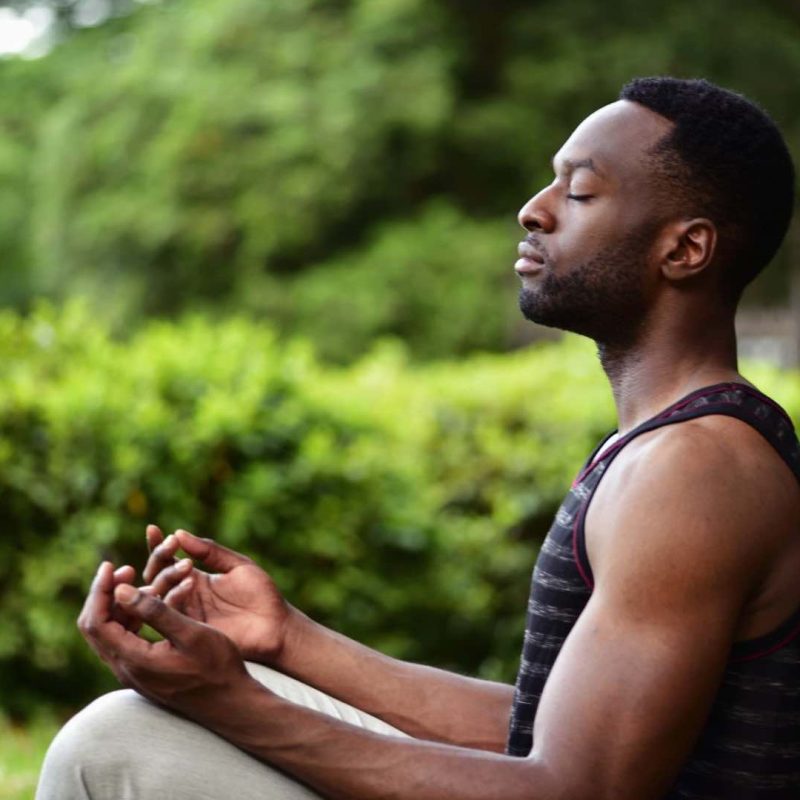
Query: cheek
{"type": "Point", "coordinates": [591, 228]}
{"type": "Point", "coordinates": [584, 237]}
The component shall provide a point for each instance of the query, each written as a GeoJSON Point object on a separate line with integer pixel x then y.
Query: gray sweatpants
{"type": "Point", "coordinates": [123, 747]}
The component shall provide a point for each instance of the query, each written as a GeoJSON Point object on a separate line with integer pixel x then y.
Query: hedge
{"type": "Point", "coordinates": [401, 504]}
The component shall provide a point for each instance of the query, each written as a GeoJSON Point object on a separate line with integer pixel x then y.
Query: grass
{"type": "Point", "coordinates": [22, 750]}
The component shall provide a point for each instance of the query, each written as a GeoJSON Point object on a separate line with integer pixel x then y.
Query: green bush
{"type": "Point", "coordinates": [442, 282]}
{"type": "Point", "coordinates": [400, 504]}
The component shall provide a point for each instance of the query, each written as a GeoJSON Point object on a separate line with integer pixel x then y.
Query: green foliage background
{"type": "Point", "coordinates": [291, 225]}
{"type": "Point", "coordinates": [401, 504]}
{"type": "Point", "coordinates": [316, 161]}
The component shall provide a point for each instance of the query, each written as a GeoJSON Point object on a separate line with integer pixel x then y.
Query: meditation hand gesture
{"type": "Point", "coordinates": [240, 600]}
{"type": "Point", "coordinates": [194, 669]}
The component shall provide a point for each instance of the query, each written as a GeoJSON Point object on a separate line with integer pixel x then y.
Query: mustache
{"type": "Point", "coordinates": [536, 244]}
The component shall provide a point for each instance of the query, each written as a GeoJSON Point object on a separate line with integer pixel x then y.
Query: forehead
{"type": "Point", "coordinates": [616, 139]}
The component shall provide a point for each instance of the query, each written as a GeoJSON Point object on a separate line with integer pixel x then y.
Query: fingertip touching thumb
{"type": "Point", "coordinates": [126, 594]}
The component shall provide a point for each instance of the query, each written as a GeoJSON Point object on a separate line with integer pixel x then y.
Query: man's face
{"type": "Point", "coordinates": [583, 265]}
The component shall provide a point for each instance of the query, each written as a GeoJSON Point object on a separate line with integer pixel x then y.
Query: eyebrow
{"type": "Point", "coordinates": [570, 165]}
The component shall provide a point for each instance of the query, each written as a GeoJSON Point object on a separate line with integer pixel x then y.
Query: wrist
{"type": "Point", "coordinates": [298, 631]}
{"type": "Point", "coordinates": [239, 710]}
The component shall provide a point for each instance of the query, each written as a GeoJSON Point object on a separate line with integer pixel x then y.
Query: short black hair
{"type": "Point", "coordinates": [726, 160]}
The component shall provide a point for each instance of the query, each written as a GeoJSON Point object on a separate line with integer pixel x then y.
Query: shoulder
{"type": "Point", "coordinates": [705, 500]}
{"type": "Point", "coordinates": [718, 461]}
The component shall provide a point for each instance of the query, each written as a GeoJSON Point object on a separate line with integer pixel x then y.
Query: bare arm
{"type": "Point", "coordinates": [423, 701]}
{"type": "Point", "coordinates": [244, 603]}
{"type": "Point", "coordinates": [627, 696]}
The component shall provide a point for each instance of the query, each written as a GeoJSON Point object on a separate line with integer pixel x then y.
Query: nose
{"type": "Point", "coordinates": [534, 215]}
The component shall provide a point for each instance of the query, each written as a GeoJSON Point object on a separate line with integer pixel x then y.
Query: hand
{"type": "Point", "coordinates": [195, 670]}
{"type": "Point", "coordinates": [241, 600]}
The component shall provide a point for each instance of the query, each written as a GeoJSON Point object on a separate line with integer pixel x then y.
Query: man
{"type": "Point", "coordinates": [662, 649]}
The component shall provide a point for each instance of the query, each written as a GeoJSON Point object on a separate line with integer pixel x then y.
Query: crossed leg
{"type": "Point", "coordinates": [122, 747]}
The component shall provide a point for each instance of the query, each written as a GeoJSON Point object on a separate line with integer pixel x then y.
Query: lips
{"type": "Point", "coordinates": [528, 251]}
{"type": "Point", "coordinates": [530, 260]}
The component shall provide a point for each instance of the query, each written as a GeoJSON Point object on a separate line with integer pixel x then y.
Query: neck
{"type": "Point", "coordinates": [670, 358]}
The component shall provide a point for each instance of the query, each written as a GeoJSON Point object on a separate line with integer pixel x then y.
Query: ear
{"type": "Point", "coordinates": [688, 248]}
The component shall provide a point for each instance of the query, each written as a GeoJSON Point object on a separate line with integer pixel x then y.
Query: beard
{"type": "Point", "coordinates": [603, 298]}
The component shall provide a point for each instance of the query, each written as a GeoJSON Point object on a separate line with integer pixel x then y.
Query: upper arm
{"type": "Point", "coordinates": [674, 563]}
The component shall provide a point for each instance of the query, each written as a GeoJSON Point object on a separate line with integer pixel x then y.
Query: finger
{"type": "Point", "coordinates": [126, 620]}
{"type": "Point", "coordinates": [171, 624]}
{"type": "Point", "coordinates": [162, 556]}
{"type": "Point", "coordinates": [126, 574]}
{"type": "Point", "coordinates": [97, 607]}
{"type": "Point", "coordinates": [154, 537]}
{"type": "Point", "coordinates": [176, 596]}
{"type": "Point", "coordinates": [171, 576]}
{"type": "Point", "coordinates": [96, 621]}
{"type": "Point", "coordinates": [213, 555]}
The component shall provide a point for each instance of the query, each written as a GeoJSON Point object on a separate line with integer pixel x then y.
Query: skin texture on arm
{"type": "Point", "coordinates": [675, 560]}
{"type": "Point", "coordinates": [243, 602]}
{"type": "Point", "coordinates": [425, 702]}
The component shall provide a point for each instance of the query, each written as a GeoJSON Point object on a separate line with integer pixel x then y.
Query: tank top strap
{"type": "Point", "coordinates": [730, 399]}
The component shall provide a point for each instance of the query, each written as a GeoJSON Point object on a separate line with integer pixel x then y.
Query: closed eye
{"type": "Point", "coordinates": [580, 197]}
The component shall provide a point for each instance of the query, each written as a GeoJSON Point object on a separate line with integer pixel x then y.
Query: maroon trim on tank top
{"type": "Point", "coordinates": [677, 406]}
{"type": "Point", "coordinates": [767, 651]}
{"type": "Point", "coordinates": [767, 643]}
{"type": "Point", "coordinates": [721, 387]}
{"type": "Point", "coordinates": [587, 578]}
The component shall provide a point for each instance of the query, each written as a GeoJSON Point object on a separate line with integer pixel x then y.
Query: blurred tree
{"type": "Point", "coordinates": [72, 14]}
{"type": "Point", "coordinates": [252, 152]}
{"type": "Point", "coordinates": [268, 137]}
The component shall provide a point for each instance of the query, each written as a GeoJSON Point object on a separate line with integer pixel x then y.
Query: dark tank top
{"type": "Point", "coordinates": [750, 745]}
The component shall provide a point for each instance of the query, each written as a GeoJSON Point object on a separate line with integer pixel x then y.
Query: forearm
{"type": "Point", "coordinates": [425, 702]}
{"type": "Point", "coordinates": [341, 761]}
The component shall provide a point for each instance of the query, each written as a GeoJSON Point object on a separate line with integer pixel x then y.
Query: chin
{"type": "Point", "coordinates": [570, 320]}
{"type": "Point", "coordinates": [542, 313]}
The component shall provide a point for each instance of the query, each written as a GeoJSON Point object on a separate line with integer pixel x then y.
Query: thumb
{"type": "Point", "coordinates": [171, 624]}
{"type": "Point", "coordinates": [213, 555]}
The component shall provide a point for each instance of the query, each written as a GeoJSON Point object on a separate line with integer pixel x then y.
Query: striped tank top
{"type": "Point", "coordinates": [749, 748]}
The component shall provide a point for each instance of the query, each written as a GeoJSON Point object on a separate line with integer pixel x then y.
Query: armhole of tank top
{"type": "Point", "coordinates": [771, 642]}
{"type": "Point", "coordinates": [592, 456]}
{"type": "Point", "coordinates": [578, 543]}
{"type": "Point", "coordinates": [742, 651]}
{"type": "Point", "coordinates": [579, 549]}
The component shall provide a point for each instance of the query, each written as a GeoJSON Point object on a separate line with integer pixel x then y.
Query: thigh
{"type": "Point", "coordinates": [122, 747]}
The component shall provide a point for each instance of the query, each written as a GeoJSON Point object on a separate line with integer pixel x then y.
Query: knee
{"type": "Point", "coordinates": [104, 723]}
{"type": "Point", "coordinates": [122, 746]}
{"type": "Point", "coordinates": [92, 754]}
